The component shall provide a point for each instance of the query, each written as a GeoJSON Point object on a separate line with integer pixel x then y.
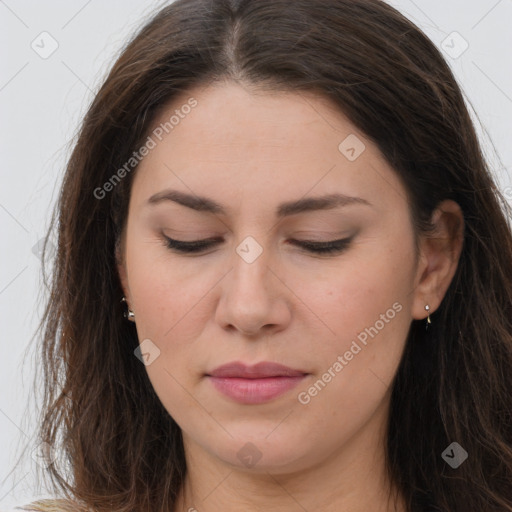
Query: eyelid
{"type": "Point", "coordinates": [312, 246]}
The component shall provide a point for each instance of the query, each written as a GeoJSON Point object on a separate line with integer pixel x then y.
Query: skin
{"type": "Point", "coordinates": [250, 151]}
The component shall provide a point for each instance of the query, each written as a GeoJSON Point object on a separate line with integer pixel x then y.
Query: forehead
{"type": "Point", "coordinates": [271, 144]}
{"type": "Point", "coordinates": [232, 116]}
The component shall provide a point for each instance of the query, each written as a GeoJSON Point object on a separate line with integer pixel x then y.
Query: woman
{"type": "Point", "coordinates": [284, 274]}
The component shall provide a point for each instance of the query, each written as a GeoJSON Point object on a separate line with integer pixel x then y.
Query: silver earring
{"type": "Point", "coordinates": [129, 314]}
{"type": "Point", "coordinates": [427, 308]}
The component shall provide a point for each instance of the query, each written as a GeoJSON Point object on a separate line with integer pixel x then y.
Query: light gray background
{"type": "Point", "coordinates": [43, 99]}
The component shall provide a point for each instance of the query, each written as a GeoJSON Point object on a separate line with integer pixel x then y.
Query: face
{"type": "Point", "coordinates": [256, 291]}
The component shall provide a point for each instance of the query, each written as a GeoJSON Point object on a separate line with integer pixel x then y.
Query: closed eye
{"type": "Point", "coordinates": [198, 246]}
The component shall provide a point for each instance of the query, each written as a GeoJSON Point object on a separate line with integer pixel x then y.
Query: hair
{"type": "Point", "coordinates": [122, 449]}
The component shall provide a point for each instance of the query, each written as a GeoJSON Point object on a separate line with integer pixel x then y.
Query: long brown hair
{"type": "Point", "coordinates": [120, 448]}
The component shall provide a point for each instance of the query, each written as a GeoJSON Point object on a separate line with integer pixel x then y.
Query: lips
{"type": "Point", "coordinates": [255, 384]}
{"type": "Point", "coordinates": [257, 371]}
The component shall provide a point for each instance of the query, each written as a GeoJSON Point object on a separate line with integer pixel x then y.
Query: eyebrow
{"type": "Point", "coordinates": [204, 204]}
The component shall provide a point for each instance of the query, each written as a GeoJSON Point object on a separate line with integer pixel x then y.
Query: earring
{"type": "Point", "coordinates": [427, 308]}
{"type": "Point", "coordinates": [129, 314]}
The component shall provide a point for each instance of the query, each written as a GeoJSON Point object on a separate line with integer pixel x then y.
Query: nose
{"type": "Point", "coordinates": [254, 301]}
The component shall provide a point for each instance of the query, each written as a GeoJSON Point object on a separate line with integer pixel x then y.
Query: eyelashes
{"type": "Point", "coordinates": [190, 247]}
{"type": "Point", "coordinates": [329, 247]}
{"type": "Point", "coordinates": [199, 246]}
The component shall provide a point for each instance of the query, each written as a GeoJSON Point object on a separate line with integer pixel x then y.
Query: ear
{"type": "Point", "coordinates": [439, 257]}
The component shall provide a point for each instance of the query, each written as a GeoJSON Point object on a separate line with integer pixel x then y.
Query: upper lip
{"type": "Point", "coordinates": [257, 371]}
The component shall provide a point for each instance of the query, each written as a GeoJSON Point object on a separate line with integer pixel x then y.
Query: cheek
{"type": "Point", "coordinates": [356, 365]}
{"type": "Point", "coordinates": [164, 290]}
{"type": "Point", "coordinates": [168, 305]}
{"type": "Point", "coordinates": [366, 312]}
{"type": "Point", "coordinates": [353, 295]}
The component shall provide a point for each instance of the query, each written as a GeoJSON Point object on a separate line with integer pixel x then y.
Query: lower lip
{"type": "Point", "coordinates": [254, 391]}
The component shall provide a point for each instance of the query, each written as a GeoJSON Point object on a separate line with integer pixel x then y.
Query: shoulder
{"type": "Point", "coordinates": [51, 505]}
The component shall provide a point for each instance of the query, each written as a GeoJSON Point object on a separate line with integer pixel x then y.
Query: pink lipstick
{"type": "Point", "coordinates": [254, 384]}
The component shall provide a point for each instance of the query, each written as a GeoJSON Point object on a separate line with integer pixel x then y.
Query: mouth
{"type": "Point", "coordinates": [254, 384]}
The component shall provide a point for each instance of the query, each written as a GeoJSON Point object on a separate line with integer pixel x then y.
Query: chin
{"type": "Point", "coordinates": [255, 454]}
